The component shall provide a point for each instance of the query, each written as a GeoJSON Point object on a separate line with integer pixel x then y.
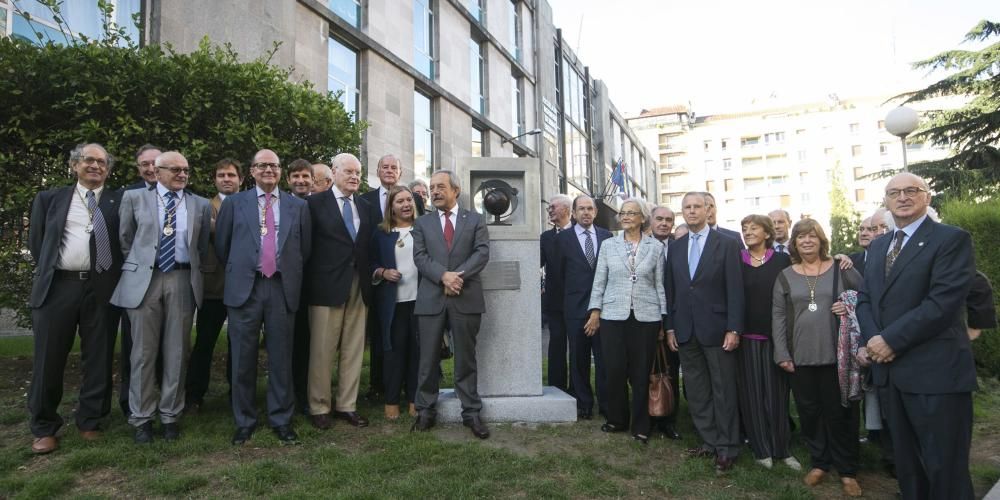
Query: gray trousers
{"type": "Point", "coordinates": [266, 306]}
{"type": "Point", "coordinates": [169, 303]}
{"type": "Point", "coordinates": [710, 384]}
{"type": "Point", "coordinates": [464, 328]}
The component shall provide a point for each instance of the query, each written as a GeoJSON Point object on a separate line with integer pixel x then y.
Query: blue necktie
{"type": "Point", "coordinates": [348, 214]}
{"type": "Point", "coordinates": [166, 260]}
{"type": "Point", "coordinates": [695, 254]}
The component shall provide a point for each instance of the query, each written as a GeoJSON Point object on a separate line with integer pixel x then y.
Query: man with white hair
{"type": "Point", "coordinates": [552, 310]}
{"type": "Point", "coordinates": [322, 178]}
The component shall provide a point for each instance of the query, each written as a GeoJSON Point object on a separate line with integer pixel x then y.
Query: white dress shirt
{"type": "Point", "coordinates": [406, 289]}
{"type": "Point", "coordinates": [354, 206]}
{"type": "Point", "coordinates": [180, 222]}
{"type": "Point", "coordinates": [74, 252]}
{"type": "Point", "coordinates": [383, 197]}
{"type": "Point", "coordinates": [701, 241]}
{"type": "Point", "coordinates": [261, 201]}
{"type": "Point", "coordinates": [908, 230]}
{"type": "Point", "coordinates": [582, 238]}
{"type": "Point", "coordinates": [453, 217]}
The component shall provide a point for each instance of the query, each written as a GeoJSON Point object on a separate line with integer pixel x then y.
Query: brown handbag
{"type": "Point", "coordinates": [661, 392]}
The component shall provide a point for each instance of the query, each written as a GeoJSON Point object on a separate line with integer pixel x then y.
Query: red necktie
{"type": "Point", "coordinates": [449, 229]}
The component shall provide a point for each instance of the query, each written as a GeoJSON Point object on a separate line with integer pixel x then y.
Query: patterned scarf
{"type": "Point", "coordinates": [848, 342]}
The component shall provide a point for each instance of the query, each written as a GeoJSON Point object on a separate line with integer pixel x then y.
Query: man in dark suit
{"type": "Point", "coordinates": [451, 246]}
{"type": "Point", "coordinates": [388, 172]}
{"type": "Point", "coordinates": [212, 314]}
{"type": "Point", "coordinates": [300, 177]}
{"type": "Point", "coordinates": [782, 225]}
{"type": "Point", "coordinates": [301, 180]}
{"type": "Point", "coordinates": [910, 313]}
{"type": "Point", "coordinates": [713, 224]}
{"type": "Point", "coordinates": [263, 238]}
{"type": "Point", "coordinates": [164, 236]}
{"type": "Point", "coordinates": [74, 244]}
{"type": "Point", "coordinates": [338, 290]}
{"type": "Point", "coordinates": [662, 227]}
{"type": "Point", "coordinates": [552, 297]}
{"type": "Point", "coordinates": [704, 287]}
{"type": "Point", "coordinates": [865, 234]}
{"type": "Point", "coordinates": [575, 276]}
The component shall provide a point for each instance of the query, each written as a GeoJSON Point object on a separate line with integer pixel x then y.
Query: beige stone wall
{"type": "Point", "coordinates": [387, 106]}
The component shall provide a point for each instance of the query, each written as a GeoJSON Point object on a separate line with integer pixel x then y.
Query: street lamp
{"type": "Point", "coordinates": [901, 122]}
{"type": "Point", "coordinates": [534, 131]}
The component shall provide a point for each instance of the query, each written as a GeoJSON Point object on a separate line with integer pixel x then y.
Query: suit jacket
{"type": "Point", "coordinates": [616, 295]}
{"type": "Point", "coordinates": [552, 294]}
{"type": "Point", "coordinates": [213, 274]}
{"type": "Point", "coordinates": [712, 303]}
{"type": "Point", "coordinates": [374, 206]}
{"type": "Point", "coordinates": [858, 258]}
{"type": "Point", "coordinates": [139, 184]}
{"type": "Point", "coordinates": [730, 233]}
{"type": "Point", "coordinates": [982, 312]}
{"type": "Point", "coordinates": [48, 223]}
{"type": "Point", "coordinates": [384, 292]}
{"type": "Point", "coordinates": [470, 252]}
{"type": "Point", "coordinates": [918, 310]}
{"type": "Point", "coordinates": [238, 245]}
{"type": "Point", "coordinates": [574, 275]}
{"type": "Point", "coordinates": [335, 260]}
{"type": "Point", "coordinates": [139, 235]}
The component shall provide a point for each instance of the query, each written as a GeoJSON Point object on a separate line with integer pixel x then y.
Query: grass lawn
{"type": "Point", "coordinates": [385, 460]}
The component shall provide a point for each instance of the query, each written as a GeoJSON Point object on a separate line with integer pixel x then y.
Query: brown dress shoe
{"type": "Point", "coordinates": [814, 477]}
{"type": "Point", "coordinates": [392, 412]}
{"type": "Point", "coordinates": [352, 418]}
{"type": "Point", "coordinates": [93, 435]}
{"type": "Point", "coordinates": [44, 445]}
{"type": "Point", "coordinates": [851, 487]}
{"type": "Point", "coordinates": [321, 421]}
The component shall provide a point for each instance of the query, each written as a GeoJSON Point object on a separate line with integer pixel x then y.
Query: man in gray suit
{"type": "Point", "coordinates": [451, 246]}
{"type": "Point", "coordinates": [262, 237]}
{"type": "Point", "coordinates": [164, 234]}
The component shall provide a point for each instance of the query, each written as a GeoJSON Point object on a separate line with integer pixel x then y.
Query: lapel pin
{"type": "Point", "coordinates": [920, 244]}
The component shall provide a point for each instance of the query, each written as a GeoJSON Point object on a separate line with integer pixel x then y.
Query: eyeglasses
{"type": "Point", "coordinates": [90, 160]}
{"type": "Point", "coordinates": [909, 192]}
{"type": "Point", "coordinates": [629, 214]}
{"type": "Point", "coordinates": [177, 170]}
{"type": "Point", "coordinates": [267, 166]}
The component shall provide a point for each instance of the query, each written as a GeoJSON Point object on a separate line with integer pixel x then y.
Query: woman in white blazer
{"type": "Point", "coordinates": [628, 305]}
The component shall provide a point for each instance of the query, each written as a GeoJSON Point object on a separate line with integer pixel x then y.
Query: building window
{"type": "Point", "coordinates": [664, 159]}
{"type": "Point", "coordinates": [859, 195]}
{"type": "Point", "coordinates": [664, 141]}
{"type": "Point", "coordinates": [858, 172]}
{"type": "Point", "coordinates": [774, 138]}
{"type": "Point", "coordinates": [854, 128]}
{"type": "Point", "coordinates": [706, 145]}
{"type": "Point", "coordinates": [709, 186]}
{"type": "Point", "coordinates": [883, 148]}
{"type": "Point", "coordinates": [478, 9]}
{"type": "Point", "coordinates": [423, 136]}
{"type": "Point", "coordinates": [914, 146]}
{"type": "Point", "coordinates": [827, 152]}
{"type": "Point", "coordinates": [806, 199]}
{"type": "Point", "coordinates": [515, 30]}
{"type": "Point", "coordinates": [753, 183]}
{"type": "Point", "coordinates": [517, 101]}
{"type": "Point", "coordinates": [727, 185]}
{"type": "Point", "coordinates": [856, 151]}
{"type": "Point", "coordinates": [423, 38]}
{"type": "Point", "coordinates": [752, 162]}
{"type": "Point", "coordinates": [750, 142]}
{"type": "Point", "coordinates": [724, 144]}
{"type": "Point", "coordinates": [800, 131]}
{"type": "Point", "coordinates": [477, 76]}
{"type": "Point", "coordinates": [708, 166]}
{"type": "Point", "coordinates": [348, 10]}
{"type": "Point", "coordinates": [342, 75]}
{"type": "Point", "coordinates": [83, 18]}
{"type": "Point", "coordinates": [802, 156]}
{"type": "Point", "coordinates": [752, 202]}
{"type": "Point", "coordinates": [803, 178]}
{"type": "Point", "coordinates": [477, 142]}
{"type": "Point", "coordinates": [727, 164]}
{"type": "Point", "coordinates": [777, 181]}
{"type": "Point", "coordinates": [881, 125]}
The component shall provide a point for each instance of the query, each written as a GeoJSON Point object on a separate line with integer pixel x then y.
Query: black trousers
{"type": "Point", "coordinates": [70, 308]}
{"type": "Point", "coordinates": [374, 332]}
{"type": "Point", "coordinates": [125, 363]}
{"type": "Point", "coordinates": [763, 396]}
{"type": "Point", "coordinates": [300, 356]}
{"type": "Point", "coordinates": [557, 369]}
{"type": "Point", "coordinates": [211, 316]}
{"type": "Point", "coordinates": [932, 434]}
{"type": "Point", "coordinates": [402, 361]}
{"type": "Point", "coordinates": [829, 430]}
{"type": "Point", "coordinates": [580, 349]}
{"type": "Point", "coordinates": [628, 347]}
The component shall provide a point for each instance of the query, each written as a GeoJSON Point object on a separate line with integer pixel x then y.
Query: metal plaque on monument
{"type": "Point", "coordinates": [509, 346]}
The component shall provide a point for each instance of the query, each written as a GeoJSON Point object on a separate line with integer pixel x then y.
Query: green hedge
{"type": "Point", "coordinates": [982, 220]}
{"type": "Point", "coordinates": [207, 104]}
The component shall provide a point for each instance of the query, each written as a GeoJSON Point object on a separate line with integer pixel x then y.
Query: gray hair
{"type": "Point", "coordinates": [643, 209]}
{"type": "Point", "coordinates": [788, 217]}
{"type": "Point", "coordinates": [652, 213]}
{"type": "Point", "coordinates": [339, 160]}
{"type": "Point", "coordinates": [417, 182]}
{"type": "Point", "coordinates": [77, 153]}
{"type": "Point", "coordinates": [324, 169]}
{"type": "Point", "coordinates": [884, 215]}
{"type": "Point", "coordinates": [560, 199]}
{"type": "Point", "coordinates": [452, 179]}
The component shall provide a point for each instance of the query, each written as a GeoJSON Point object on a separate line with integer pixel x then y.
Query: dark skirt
{"type": "Point", "coordinates": [763, 390]}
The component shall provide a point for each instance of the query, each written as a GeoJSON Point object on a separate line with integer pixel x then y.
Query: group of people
{"type": "Point", "coordinates": [313, 269]}
{"type": "Point", "coordinates": [752, 317]}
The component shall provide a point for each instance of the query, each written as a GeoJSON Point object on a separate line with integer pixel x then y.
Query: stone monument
{"type": "Point", "coordinates": [509, 349]}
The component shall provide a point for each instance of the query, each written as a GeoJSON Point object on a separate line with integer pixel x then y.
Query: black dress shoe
{"type": "Point", "coordinates": [352, 418]}
{"type": "Point", "coordinates": [584, 414]}
{"type": "Point", "coordinates": [423, 423]}
{"type": "Point", "coordinates": [286, 435]}
{"type": "Point", "coordinates": [724, 464]}
{"type": "Point", "coordinates": [192, 408]}
{"type": "Point", "coordinates": [641, 438]}
{"type": "Point", "coordinates": [242, 435]}
{"type": "Point", "coordinates": [670, 432]}
{"type": "Point", "coordinates": [609, 427]}
{"type": "Point", "coordinates": [144, 433]}
{"type": "Point", "coordinates": [171, 431]}
{"type": "Point", "coordinates": [477, 426]}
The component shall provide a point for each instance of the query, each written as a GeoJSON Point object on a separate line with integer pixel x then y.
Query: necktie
{"type": "Point", "coordinates": [348, 214]}
{"type": "Point", "coordinates": [449, 229]}
{"type": "Point", "coordinates": [385, 198]}
{"type": "Point", "coordinates": [101, 240]}
{"type": "Point", "coordinates": [588, 249]}
{"type": "Point", "coordinates": [781, 248]}
{"type": "Point", "coordinates": [269, 247]}
{"type": "Point", "coordinates": [896, 248]}
{"type": "Point", "coordinates": [166, 260]}
{"type": "Point", "coordinates": [695, 254]}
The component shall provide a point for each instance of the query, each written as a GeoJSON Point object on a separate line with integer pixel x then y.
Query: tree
{"type": "Point", "coordinates": [206, 104]}
{"type": "Point", "coordinates": [973, 131]}
{"type": "Point", "coordinates": [844, 220]}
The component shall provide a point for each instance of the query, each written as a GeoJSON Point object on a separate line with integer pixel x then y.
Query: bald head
{"type": "Point", "coordinates": [907, 197]}
{"type": "Point", "coordinates": [322, 177]}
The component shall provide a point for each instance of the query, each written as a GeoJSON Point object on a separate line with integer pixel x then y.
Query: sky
{"type": "Point", "coordinates": [724, 55]}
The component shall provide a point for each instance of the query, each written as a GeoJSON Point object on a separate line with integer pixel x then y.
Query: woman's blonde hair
{"type": "Point", "coordinates": [387, 221]}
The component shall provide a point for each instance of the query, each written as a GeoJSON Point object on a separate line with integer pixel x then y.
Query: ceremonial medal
{"type": "Point", "coordinates": [399, 243]}
{"type": "Point", "coordinates": [813, 306]}
{"type": "Point", "coordinates": [168, 231]}
{"type": "Point", "coordinates": [263, 230]}
{"type": "Point", "coordinates": [634, 278]}
{"type": "Point", "coordinates": [89, 228]}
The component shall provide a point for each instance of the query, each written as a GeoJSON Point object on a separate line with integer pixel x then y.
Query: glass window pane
{"type": "Point", "coordinates": [423, 136]}
{"type": "Point", "coordinates": [477, 142]}
{"type": "Point", "coordinates": [476, 80]}
{"type": "Point", "coordinates": [423, 37]}
{"type": "Point", "coordinates": [348, 10]}
{"type": "Point", "coordinates": [342, 74]}
{"type": "Point", "coordinates": [124, 10]}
